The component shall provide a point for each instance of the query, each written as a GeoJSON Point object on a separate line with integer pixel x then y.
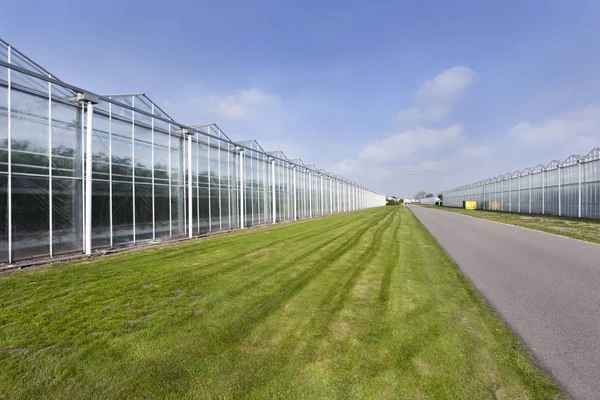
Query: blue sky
{"type": "Point", "coordinates": [453, 91]}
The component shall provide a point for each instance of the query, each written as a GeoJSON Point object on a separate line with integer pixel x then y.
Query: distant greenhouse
{"type": "Point", "coordinates": [568, 188]}
{"type": "Point", "coordinates": [81, 171]}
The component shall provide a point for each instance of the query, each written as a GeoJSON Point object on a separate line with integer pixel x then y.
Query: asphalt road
{"type": "Point", "coordinates": [546, 287]}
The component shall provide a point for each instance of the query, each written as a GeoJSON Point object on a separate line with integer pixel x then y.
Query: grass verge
{"type": "Point", "coordinates": [361, 305]}
{"type": "Point", "coordinates": [583, 229]}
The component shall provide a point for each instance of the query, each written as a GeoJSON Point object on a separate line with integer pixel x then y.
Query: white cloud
{"type": "Point", "coordinates": [448, 86]}
{"type": "Point", "coordinates": [347, 167]}
{"type": "Point", "coordinates": [412, 144]}
{"type": "Point", "coordinates": [437, 97]}
{"type": "Point", "coordinates": [575, 130]}
{"type": "Point", "coordinates": [428, 145]}
{"type": "Point", "coordinates": [240, 105]}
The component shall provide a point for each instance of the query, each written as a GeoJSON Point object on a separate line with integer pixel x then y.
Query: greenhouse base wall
{"type": "Point", "coordinates": [127, 247]}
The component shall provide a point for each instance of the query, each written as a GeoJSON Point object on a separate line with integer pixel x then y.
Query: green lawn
{"type": "Point", "coordinates": [361, 305]}
{"type": "Point", "coordinates": [583, 229]}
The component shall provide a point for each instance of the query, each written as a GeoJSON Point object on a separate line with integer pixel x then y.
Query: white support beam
{"type": "Point", "coordinates": [9, 144]}
{"type": "Point", "coordinates": [133, 165]}
{"type": "Point", "coordinates": [579, 191]}
{"type": "Point", "coordinates": [190, 188]}
{"type": "Point", "coordinates": [295, 194]}
{"type": "Point", "coordinates": [110, 173]}
{"type": "Point", "coordinates": [242, 186]}
{"type": "Point", "coordinates": [559, 191]}
{"type": "Point", "coordinates": [529, 192]}
{"type": "Point", "coordinates": [50, 196]}
{"type": "Point", "coordinates": [543, 191]}
{"type": "Point", "coordinates": [88, 179]}
{"type": "Point", "coordinates": [209, 179]}
{"type": "Point", "coordinates": [322, 196]}
{"type": "Point", "coordinates": [219, 183]}
{"type": "Point", "coordinates": [274, 194]}
{"type": "Point", "coordinates": [310, 187]}
{"type": "Point", "coordinates": [153, 196]}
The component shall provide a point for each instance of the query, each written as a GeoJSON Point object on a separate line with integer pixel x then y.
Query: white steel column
{"type": "Point", "coordinates": [170, 190]}
{"type": "Point", "coordinates": [152, 156]}
{"type": "Point", "coordinates": [310, 187]}
{"type": "Point", "coordinates": [510, 194]}
{"type": "Point", "coordinates": [229, 182]}
{"type": "Point", "coordinates": [302, 196]}
{"type": "Point", "coordinates": [242, 208]}
{"type": "Point", "coordinates": [321, 196]}
{"type": "Point", "coordinates": [219, 182]}
{"type": "Point", "coordinates": [519, 182]}
{"type": "Point", "coordinates": [190, 193]}
{"type": "Point", "coordinates": [266, 190]}
{"type": "Point", "coordinates": [198, 182]}
{"type": "Point", "coordinates": [579, 196]}
{"type": "Point", "coordinates": [209, 178]}
{"type": "Point", "coordinates": [305, 193]}
{"type": "Point", "coordinates": [543, 190]}
{"type": "Point", "coordinates": [295, 194]}
{"type": "Point", "coordinates": [330, 196]}
{"type": "Point", "coordinates": [252, 184]}
{"type": "Point", "coordinates": [290, 196]}
{"type": "Point", "coordinates": [274, 206]}
{"type": "Point", "coordinates": [9, 183]}
{"type": "Point", "coordinates": [110, 188]}
{"type": "Point", "coordinates": [529, 192]}
{"type": "Point", "coordinates": [559, 192]}
{"type": "Point", "coordinates": [82, 221]}
{"type": "Point", "coordinates": [50, 214]}
{"type": "Point", "coordinates": [338, 195]}
{"type": "Point", "coordinates": [133, 161]}
{"type": "Point", "coordinates": [347, 193]}
{"type": "Point", "coordinates": [88, 180]}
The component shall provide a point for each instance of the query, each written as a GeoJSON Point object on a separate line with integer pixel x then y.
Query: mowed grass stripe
{"type": "Point", "coordinates": [313, 326]}
{"type": "Point", "coordinates": [262, 256]}
{"type": "Point", "coordinates": [363, 305]}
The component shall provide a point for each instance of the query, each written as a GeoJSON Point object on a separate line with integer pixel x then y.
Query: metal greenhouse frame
{"type": "Point", "coordinates": [568, 188]}
{"type": "Point", "coordinates": [81, 171]}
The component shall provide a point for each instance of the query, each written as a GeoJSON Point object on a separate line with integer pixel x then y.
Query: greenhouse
{"type": "Point", "coordinates": [569, 188]}
{"type": "Point", "coordinates": [81, 172]}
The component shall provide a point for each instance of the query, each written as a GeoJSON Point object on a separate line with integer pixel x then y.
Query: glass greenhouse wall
{"type": "Point", "coordinates": [569, 188]}
{"type": "Point", "coordinates": [80, 171]}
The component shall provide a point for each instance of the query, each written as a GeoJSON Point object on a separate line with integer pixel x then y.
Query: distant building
{"type": "Point", "coordinates": [431, 201]}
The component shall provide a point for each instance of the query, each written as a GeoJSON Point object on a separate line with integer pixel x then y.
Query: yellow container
{"type": "Point", "coordinates": [471, 205]}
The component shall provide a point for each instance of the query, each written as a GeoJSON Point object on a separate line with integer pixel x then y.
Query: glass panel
{"type": "Point", "coordinates": [3, 169]}
{"type": "Point", "coordinates": [100, 213]}
{"type": "Point", "coordinates": [215, 206]}
{"type": "Point", "coordinates": [29, 119]}
{"type": "Point", "coordinates": [161, 185]}
{"type": "Point", "coordinates": [202, 189]}
{"type": "Point", "coordinates": [143, 211]}
{"type": "Point", "coordinates": [100, 182]}
{"type": "Point", "coordinates": [143, 183]}
{"type": "Point", "coordinates": [66, 140]}
{"type": "Point", "coordinates": [30, 210]}
{"type": "Point", "coordinates": [122, 212]}
{"type": "Point", "coordinates": [177, 185]}
{"type": "Point", "coordinates": [3, 218]}
{"type": "Point", "coordinates": [3, 129]}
